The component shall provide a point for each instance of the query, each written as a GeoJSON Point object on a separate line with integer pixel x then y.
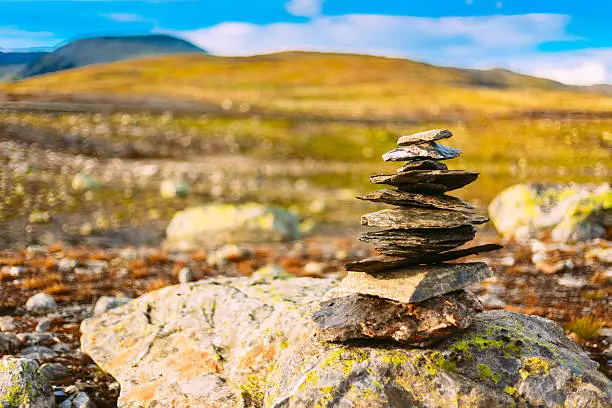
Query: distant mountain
{"type": "Point", "coordinates": [100, 50]}
{"type": "Point", "coordinates": [13, 62]}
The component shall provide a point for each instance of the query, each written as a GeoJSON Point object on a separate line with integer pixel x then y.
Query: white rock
{"type": "Point", "coordinates": [7, 323]}
{"type": "Point", "coordinates": [41, 302]}
{"type": "Point", "coordinates": [80, 400]}
{"type": "Point", "coordinates": [185, 275]}
{"type": "Point", "coordinates": [106, 303]}
{"type": "Point", "coordinates": [314, 268]}
{"type": "Point", "coordinates": [572, 281]}
{"type": "Point", "coordinates": [492, 301]}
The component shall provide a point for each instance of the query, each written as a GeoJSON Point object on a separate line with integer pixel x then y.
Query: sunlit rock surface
{"type": "Point", "coordinates": [249, 342]}
{"type": "Point", "coordinates": [563, 212]}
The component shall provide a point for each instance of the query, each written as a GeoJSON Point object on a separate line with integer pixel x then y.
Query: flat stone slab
{"type": "Point", "coordinates": [416, 217]}
{"type": "Point", "coordinates": [417, 283]}
{"type": "Point", "coordinates": [423, 165]}
{"type": "Point", "coordinates": [427, 181]}
{"type": "Point", "coordinates": [430, 150]}
{"type": "Point", "coordinates": [423, 137]}
{"type": "Point", "coordinates": [386, 262]}
{"type": "Point", "coordinates": [357, 316]}
{"type": "Point", "coordinates": [406, 199]}
{"type": "Point", "coordinates": [418, 242]}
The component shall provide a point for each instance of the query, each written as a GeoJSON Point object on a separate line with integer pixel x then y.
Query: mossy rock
{"type": "Point", "coordinates": [218, 224]}
{"type": "Point", "coordinates": [23, 386]}
{"type": "Point", "coordinates": [248, 342]}
{"type": "Point", "coordinates": [563, 212]}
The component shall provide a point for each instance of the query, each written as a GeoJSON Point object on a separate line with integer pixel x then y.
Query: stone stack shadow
{"type": "Point", "coordinates": [409, 294]}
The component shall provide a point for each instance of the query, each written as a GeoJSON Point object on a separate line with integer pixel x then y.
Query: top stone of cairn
{"type": "Point", "coordinates": [423, 137]}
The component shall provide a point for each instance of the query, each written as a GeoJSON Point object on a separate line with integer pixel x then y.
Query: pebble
{"type": "Point", "coordinates": [7, 324]}
{"type": "Point", "coordinates": [41, 302]}
{"type": "Point", "coordinates": [8, 343]}
{"type": "Point", "coordinates": [492, 301]}
{"type": "Point", "coordinates": [508, 260]}
{"type": "Point", "coordinates": [314, 269]}
{"type": "Point", "coordinates": [552, 268]}
{"type": "Point", "coordinates": [38, 353]}
{"type": "Point", "coordinates": [570, 281]}
{"type": "Point", "coordinates": [80, 400]}
{"type": "Point", "coordinates": [185, 275]}
{"type": "Point", "coordinates": [106, 303]}
{"type": "Point", "coordinates": [45, 324]}
{"type": "Point", "coordinates": [54, 371]}
{"type": "Point", "coordinates": [13, 271]}
{"type": "Point", "coordinates": [66, 264]}
{"type": "Point", "coordinates": [229, 253]}
{"type": "Point", "coordinates": [271, 272]}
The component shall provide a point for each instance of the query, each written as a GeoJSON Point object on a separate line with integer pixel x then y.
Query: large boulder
{"type": "Point", "coordinates": [218, 224]}
{"type": "Point", "coordinates": [23, 386]}
{"type": "Point", "coordinates": [562, 212]}
{"type": "Point", "coordinates": [248, 342]}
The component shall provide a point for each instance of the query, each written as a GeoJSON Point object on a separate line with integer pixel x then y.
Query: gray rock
{"type": "Point", "coordinates": [417, 283]}
{"type": "Point", "coordinates": [430, 150]}
{"type": "Point", "coordinates": [418, 242]}
{"type": "Point", "coordinates": [79, 400]}
{"type": "Point", "coordinates": [54, 371]}
{"type": "Point", "coordinates": [45, 324]}
{"type": "Point", "coordinates": [185, 275]}
{"type": "Point", "coordinates": [248, 342]}
{"type": "Point", "coordinates": [563, 212]}
{"type": "Point", "coordinates": [403, 198]}
{"type": "Point", "coordinates": [218, 224]}
{"type": "Point", "coordinates": [105, 303]}
{"type": "Point", "coordinates": [41, 302]}
{"type": "Point", "coordinates": [427, 181]}
{"type": "Point", "coordinates": [9, 342]}
{"type": "Point", "coordinates": [357, 316]}
{"type": "Point", "coordinates": [23, 386]}
{"type": "Point", "coordinates": [415, 217]}
{"type": "Point", "coordinates": [502, 360]}
{"type": "Point", "coordinates": [386, 262]}
{"type": "Point", "coordinates": [423, 137]}
{"type": "Point", "coordinates": [38, 353]}
{"type": "Point", "coordinates": [423, 165]}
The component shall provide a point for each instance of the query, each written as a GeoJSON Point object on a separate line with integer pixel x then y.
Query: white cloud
{"type": "Point", "coordinates": [125, 17]}
{"type": "Point", "coordinates": [475, 42]}
{"type": "Point", "coordinates": [12, 38]}
{"type": "Point", "coordinates": [304, 8]}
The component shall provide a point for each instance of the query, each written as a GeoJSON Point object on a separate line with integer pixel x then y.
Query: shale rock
{"type": "Point", "coordinates": [417, 283]}
{"type": "Point", "coordinates": [357, 316]}
{"type": "Point", "coordinates": [426, 151]}
{"type": "Point", "coordinates": [423, 165]}
{"type": "Point", "coordinates": [423, 137]}
{"type": "Point", "coordinates": [404, 198]}
{"type": "Point", "coordinates": [385, 262]}
{"type": "Point", "coordinates": [427, 181]}
{"type": "Point", "coordinates": [418, 242]}
{"type": "Point", "coordinates": [414, 217]}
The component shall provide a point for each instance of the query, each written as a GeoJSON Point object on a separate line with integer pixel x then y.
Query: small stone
{"type": "Point", "coordinates": [314, 269]}
{"type": "Point", "coordinates": [106, 303]}
{"type": "Point", "coordinates": [415, 217]}
{"type": "Point", "coordinates": [45, 324]}
{"type": "Point", "coordinates": [423, 165]}
{"type": "Point", "coordinates": [39, 353]}
{"type": "Point", "coordinates": [492, 301]}
{"type": "Point", "coordinates": [549, 268]}
{"type": "Point", "coordinates": [229, 253]}
{"type": "Point", "coordinates": [368, 317]}
{"type": "Point", "coordinates": [22, 385]}
{"type": "Point", "coordinates": [7, 324]}
{"type": "Point", "coordinates": [9, 342]}
{"type": "Point", "coordinates": [66, 264]}
{"type": "Point", "coordinates": [430, 150]}
{"type": "Point", "coordinates": [185, 275]}
{"type": "Point", "coordinates": [41, 302]}
{"type": "Point", "coordinates": [404, 198]}
{"type": "Point", "coordinates": [54, 371]}
{"type": "Point", "coordinates": [80, 400]}
{"type": "Point", "coordinates": [603, 255]}
{"type": "Point", "coordinates": [570, 281]}
{"type": "Point", "coordinates": [424, 137]}
{"type": "Point", "coordinates": [415, 243]}
{"type": "Point", "coordinates": [427, 181]}
{"type": "Point", "coordinates": [415, 284]}
{"type": "Point", "coordinates": [271, 272]}
{"type": "Point", "coordinates": [386, 262]}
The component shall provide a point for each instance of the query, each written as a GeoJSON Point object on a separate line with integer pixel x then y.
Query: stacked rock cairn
{"type": "Point", "coordinates": [409, 293]}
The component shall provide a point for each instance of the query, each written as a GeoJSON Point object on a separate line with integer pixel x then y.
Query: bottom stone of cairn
{"type": "Point", "coordinates": [358, 316]}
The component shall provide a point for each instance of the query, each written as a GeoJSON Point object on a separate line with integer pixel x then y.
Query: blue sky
{"type": "Point", "coordinates": [570, 41]}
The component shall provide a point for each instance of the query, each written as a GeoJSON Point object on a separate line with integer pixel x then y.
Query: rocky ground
{"type": "Point", "coordinates": [570, 284]}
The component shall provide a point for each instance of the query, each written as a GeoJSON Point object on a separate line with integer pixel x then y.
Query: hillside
{"type": "Point", "coordinates": [100, 50]}
{"type": "Point", "coordinates": [319, 83]}
{"type": "Point", "coordinates": [13, 62]}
